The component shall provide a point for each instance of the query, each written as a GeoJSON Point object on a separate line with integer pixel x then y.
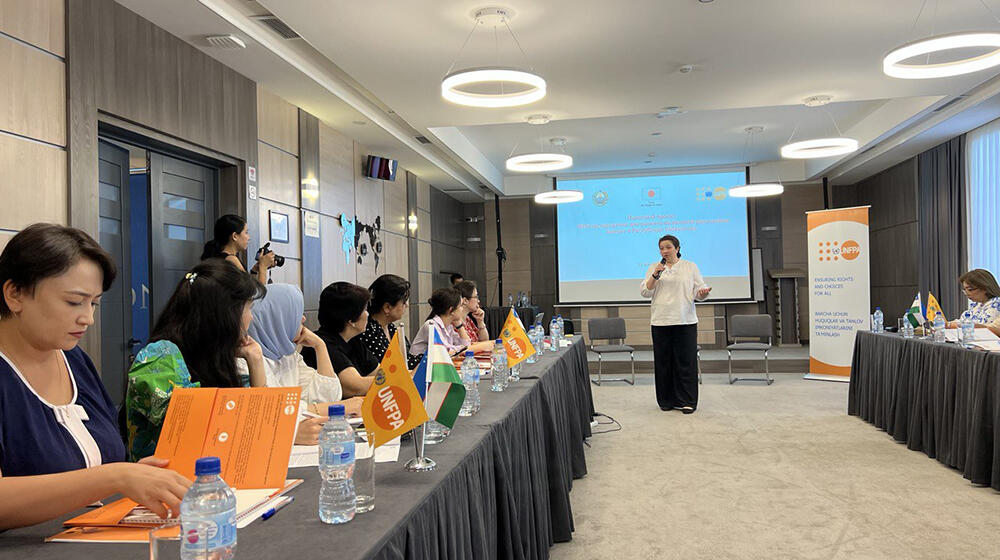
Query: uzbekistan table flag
{"type": "Point", "coordinates": [933, 307]}
{"type": "Point", "coordinates": [515, 340]}
{"type": "Point", "coordinates": [915, 314]}
{"type": "Point", "coordinates": [392, 405]}
{"type": "Point", "coordinates": [445, 393]}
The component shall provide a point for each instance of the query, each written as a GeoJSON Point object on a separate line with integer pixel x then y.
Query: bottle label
{"type": "Point", "coordinates": [338, 454]}
{"type": "Point", "coordinates": [209, 533]}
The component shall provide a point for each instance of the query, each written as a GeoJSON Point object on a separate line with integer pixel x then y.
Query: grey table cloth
{"type": "Point", "coordinates": [500, 490]}
{"type": "Point", "coordinates": [940, 399]}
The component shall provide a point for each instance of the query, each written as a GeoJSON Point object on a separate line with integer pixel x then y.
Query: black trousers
{"type": "Point", "coordinates": [675, 365]}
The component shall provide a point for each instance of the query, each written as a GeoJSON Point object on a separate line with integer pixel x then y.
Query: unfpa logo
{"type": "Point", "coordinates": [848, 250]}
{"type": "Point", "coordinates": [708, 193]}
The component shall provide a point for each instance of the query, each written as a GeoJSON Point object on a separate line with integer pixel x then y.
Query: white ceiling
{"type": "Point", "coordinates": [610, 66]}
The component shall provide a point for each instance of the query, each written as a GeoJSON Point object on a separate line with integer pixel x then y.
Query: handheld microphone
{"type": "Point", "coordinates": [662, 261]}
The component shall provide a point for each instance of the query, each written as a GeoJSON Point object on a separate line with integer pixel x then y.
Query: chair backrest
{"type": "Point", "coordinates": [759, 326]}
{"type": "Point", "coordinates": [612, 328]}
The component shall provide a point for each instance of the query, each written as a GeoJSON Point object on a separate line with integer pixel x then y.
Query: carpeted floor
{"type": "Point", "coordinates": [767, 472]}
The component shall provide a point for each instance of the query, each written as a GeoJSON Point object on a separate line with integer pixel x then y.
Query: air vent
{"type": "Point", "coordinates": [423, 140]}
{"type": "Point", "coordinates": [278, 26]}
{"type": "Point", "coordinates": [226, 42]}
{"type": "Point", "coordinates": [950, 103]}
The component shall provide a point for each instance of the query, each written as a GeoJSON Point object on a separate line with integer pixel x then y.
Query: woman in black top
{"type": "Point", "coordinates": [232, 238]}
{"type": "Point", "coordinates": [390, 302]}
{"type": "Point", "coordinates": [343, 315]}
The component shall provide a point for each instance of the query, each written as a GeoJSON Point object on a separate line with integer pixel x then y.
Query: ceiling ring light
{"type": "Point", "coordinates": [819, 148]}
{"type": "Point", "coordinates": [755, 190]}
{"type": "Point", "coordinates": [559, 197]}
{"type": "Point", "coordinates": [892, 63]}
{"type": "Point", "coordinates": [450, 87]}
{"type": "Point", "coordinates": [539, 162]}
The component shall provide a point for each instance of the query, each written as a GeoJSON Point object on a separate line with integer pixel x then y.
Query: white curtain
{"type": "Point", "coordinates": [983, 171]}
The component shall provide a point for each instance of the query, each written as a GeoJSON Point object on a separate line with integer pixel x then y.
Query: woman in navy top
{"type": "Point", "coordinates": [59, 442]}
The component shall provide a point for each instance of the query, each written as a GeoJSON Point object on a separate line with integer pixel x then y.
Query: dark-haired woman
{"type": "Point", "coordinates": [390, 300]}
{"type": "Point", "coordinates": [983, 292]}
{"type": "Point", "coordinates": [343, 315]}
{"type": "Point", "coordinates": [232, 238]}
{"type": "Point", "coordinates": [195, 343]}
{"type": "Point", "coordinates": [474, 322]}
{"type": "Point", "coordinates": [446, 312]}
{"type": "Point", "coordinates": [59, 442]}
{"type": "Point", "coordinates": [674, 285]}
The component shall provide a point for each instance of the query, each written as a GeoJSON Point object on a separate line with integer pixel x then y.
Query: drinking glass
{"type": "Point", "coordinates": [364, 471]}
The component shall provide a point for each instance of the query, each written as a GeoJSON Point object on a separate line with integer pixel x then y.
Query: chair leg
{"type": "Point", "coordinates": [631, 356]}
{"type": "Point", "coordinates": [731, 380]}
{"type": "Point", "coordinates": [600, 368]}
{"type": "Point", "coordinates": [767, 369]}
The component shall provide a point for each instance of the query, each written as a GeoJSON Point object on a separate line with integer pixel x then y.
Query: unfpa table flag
{"type": "Point", "coordinates": [445, 393]}
{"type": "Point", "coordinates": [933, 307]}
{"type": "Point", "coordinates": [392, 405]}
{"type": "Point", "coordinates": [915, 314]}
{"type": "Point", "coordinates": [515, 340]}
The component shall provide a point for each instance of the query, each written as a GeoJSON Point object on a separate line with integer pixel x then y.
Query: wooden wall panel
{"type": "Point", "coordinates": [277, 175]}
{"type": "Point", "coordinates": [395, 257]}
{"type": "Point", "coordinates": [277, 121]}
{"type": "Point", "coordinates": [34, 183]}
{"type": "Point", "coordinates": [32, 93]}
{"type": "Point", "coordinates": [293, 247]}
{"type": "Point", "coordinates": [335, 267]}
{"type": "Point", "coordinates": [424, 225]}
{"type": "Point", "coordinates": [4, 238]}
{"type": "Point", "coordinates": [423, 195]}
{"type": "Point", "coordinates": [41, 23]}
{"type": "Point", "coordinates": [424, 264]}
{"type": "Point", "coordinates": [291, 273]}
{"type": "Point", "coordinates": [394, 200]}
{"type": "Point", "coordinates": [336, 172]}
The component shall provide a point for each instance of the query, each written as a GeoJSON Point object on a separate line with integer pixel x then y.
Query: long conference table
{"type": "Point", "coordinates": [500, 490]}
{"type": "Point", "coordinates": [941, 399]}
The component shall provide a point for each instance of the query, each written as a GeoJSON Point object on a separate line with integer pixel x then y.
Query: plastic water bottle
{"type": "Point", "coordinates": [939, 328]}
{"type": "Point", "coordinates": [533, 339]}
{"type": "Point", "coordinates": [515, 374]}
{"type": "Point", "coordinates": [539, 339]}
{"type": "Point", "coordinates": [562, 327]}
{"type": "Point", "coordinates": [470, 378]}
{"type": "Point", "coordinates": [499, 367]}
{"type": "Point", "coordinates": [510, 299]}
{"type": "Point", "coordinates": [553, 335]}
{"type": "Point", "coordinates": [337, 500]}
{"type": "Point", "coordinates": [208, 511]}
{"type": "Point", "coordinates": [878, 321]}
{"type": "Point", "coordinates": [907, 328]}
{"type": "Point", "coordinates": [968, 327]}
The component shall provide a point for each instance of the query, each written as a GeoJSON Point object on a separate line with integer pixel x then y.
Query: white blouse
{"type": "Point", "coordinates": [292, 371]}
{"type": "Point", "coordinates": [674, 294]}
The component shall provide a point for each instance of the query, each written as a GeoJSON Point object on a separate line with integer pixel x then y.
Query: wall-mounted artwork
{"type": "Point", "coordinates": [373, 245]}
{"type": "Point", "coordinates": [278, 226]}
{"type": "Point", "coordinates": [348, 239]}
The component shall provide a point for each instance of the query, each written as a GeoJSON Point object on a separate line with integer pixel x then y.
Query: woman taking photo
{"type": "Point", "coordinates": [232, 238]}
{"type": "Point", "coordinates": [674, 285]}
{"type": "Point", "coordinates": [984, 299]}
{"type": "Point", "coordinates": [390, 300]}
{"type": "Point", "coordinates": [195, 343]}
{"type": "Point", "coordinates": [60, 448]}
{"type": "Point", "coordinates": [343, 315]}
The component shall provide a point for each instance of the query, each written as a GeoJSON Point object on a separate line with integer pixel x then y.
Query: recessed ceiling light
{"type": "Point", "coordinates": [753, 129]}
{"type": "Point", "coordinates": [557, 141]}
{"type": "Point", "coordinates": [656, 134]}
{"type": "Point", "coordinates": [705, 1]}
{"type": "Point", "coordinates": [817, 100]}
{"type": "Point", "coordinates": [538, 119]}
{"type": "Point", "coordinates": [648, 161]}
{"type": "Point", "coordinates": [650, 154]}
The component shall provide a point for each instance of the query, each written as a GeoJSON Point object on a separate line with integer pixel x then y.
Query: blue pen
{"type": "Point", "coordinates": [269, 513]}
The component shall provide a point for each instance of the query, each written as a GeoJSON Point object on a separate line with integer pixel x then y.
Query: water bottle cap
{"type": "Point", "coordinates": [469, 353]}
{"type": "Point", "coordinates": [335, 410]}
{"type": "Point", "coordinates": [498, 341]}
{"type": "Point", "coordinates": [207, 465]}
{"type": "Point", "coordinates": [878, 308]}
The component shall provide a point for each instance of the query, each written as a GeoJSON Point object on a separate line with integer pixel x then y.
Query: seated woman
{"type": "Point", "coordinates": [474, 322]}
{"type": "Point", "coordinates": [231, 238]}
{"type": "Point", "coordinates": [195, 343]}
{"type": "Point", "coordinates": [60, 448]}
{"type": "Point", "coordinates": [984, 299]}
{"type": "Point", "coordinates": [343, 315]}
{"type": "Point", "coordinates": [390, 300]}
{"type": "Point", "coordinates": [446, 312]}
{"type": "Point", "coordinates": [278, 327]}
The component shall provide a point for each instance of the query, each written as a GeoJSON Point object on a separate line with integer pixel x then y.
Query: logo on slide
{"type": "Point", "coordinates": [600, 198]}
{"type": "Point", "coordinates": [834, 251]}
{"type": "Point", "coordinates": [703, 194]}
{"type": "Point", "coordinates": [650, 196]}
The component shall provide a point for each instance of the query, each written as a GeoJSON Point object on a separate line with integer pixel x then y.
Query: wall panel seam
{"type": "Point", "coordinates": [296, 156]}
{"type": "Point", "coordinates": [36, 47]}
{"type": "Point", "coordinates": [30, 139]}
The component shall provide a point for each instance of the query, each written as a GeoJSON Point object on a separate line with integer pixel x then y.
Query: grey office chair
{"type": "Point", "coordinates": [750, 326]}
{"type": "Point", "coordinates": [699, 365]}
{"type": "Point", "coordinates": [611, 329]}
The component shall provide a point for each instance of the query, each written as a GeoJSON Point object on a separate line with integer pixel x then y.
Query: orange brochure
{"type": "Point", "coordinates": [251, 431]}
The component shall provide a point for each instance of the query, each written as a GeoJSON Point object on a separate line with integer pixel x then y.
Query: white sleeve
{"type": "Point", "coordinates": [643, 290]}
{"type": "Point", "coordinates": [698, 282]}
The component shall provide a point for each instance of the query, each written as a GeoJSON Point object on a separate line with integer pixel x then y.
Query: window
{"type": "Point", "coordinates": [983, 171]}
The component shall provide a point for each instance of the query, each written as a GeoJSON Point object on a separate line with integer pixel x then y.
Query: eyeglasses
{"type": "Point", "coordinates": [969, 289]}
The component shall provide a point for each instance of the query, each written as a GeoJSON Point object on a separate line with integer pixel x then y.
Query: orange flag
{"type": "Point", "coordinates": [515, 340]}
{"type": "Point", "coordinates": [392, 406]}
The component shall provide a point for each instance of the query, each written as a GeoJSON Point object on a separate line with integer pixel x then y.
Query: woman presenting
{"type": "Point", "coordinates": [674, 285]}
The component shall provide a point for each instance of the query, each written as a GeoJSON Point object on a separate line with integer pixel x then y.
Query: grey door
{"type": "Point", "coordinates": [116, 304]}
{"type": "Point", "coordinates": [182, 204]}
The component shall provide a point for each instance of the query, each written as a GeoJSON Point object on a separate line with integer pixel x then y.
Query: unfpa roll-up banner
{"type": "Point", "coordinates": [839, 288]}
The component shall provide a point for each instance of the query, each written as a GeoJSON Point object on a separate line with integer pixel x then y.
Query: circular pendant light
{"type": "Point", "coordinates": [756, 189]}
{"type": "Point", "coordinates": [532, 87]}
{"type": "Point", "coordinates": [892, 63]}
{"type": "Point", "coordinates": [538, 163]}
{"type": "Point", "coordinates": [558, 197]}
{"type": "Point", "coordinates": [819, 148]}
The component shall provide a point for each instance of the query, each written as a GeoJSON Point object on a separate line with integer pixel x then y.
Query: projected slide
{"type": "Point", "coordinates": [607, 240]}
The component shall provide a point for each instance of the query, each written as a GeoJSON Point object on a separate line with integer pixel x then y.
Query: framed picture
{"type": "Point", "coordinates": [278, 226]}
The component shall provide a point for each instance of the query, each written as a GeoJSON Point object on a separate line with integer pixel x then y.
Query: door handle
{"type": "Point", "coordinates": [132, 343]}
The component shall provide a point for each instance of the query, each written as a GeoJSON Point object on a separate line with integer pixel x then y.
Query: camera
{"type": "Point", "coordinates": [278, 259]}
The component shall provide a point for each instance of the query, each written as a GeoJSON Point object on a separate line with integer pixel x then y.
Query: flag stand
{"type": "Point", "coordinates": [420, 463]}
